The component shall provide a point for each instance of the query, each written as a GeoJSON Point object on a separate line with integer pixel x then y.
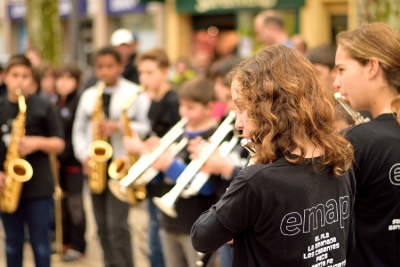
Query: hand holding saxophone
{"type": "Point", "coordinates": [108, 127]}
{"type": "Point", "coordinates": [2, 181]}
{"type": "Point", "coordinates": [28, 145]}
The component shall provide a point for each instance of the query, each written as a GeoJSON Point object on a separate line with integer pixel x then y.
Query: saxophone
{"type": "Point", "coordinates": [17, 170]}
{"type": "Point", "coordinates": [119, 167]}
{"type": "Point", "coordinates": [99, 150]}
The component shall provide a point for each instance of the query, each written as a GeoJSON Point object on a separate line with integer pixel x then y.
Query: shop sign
{"type": "Point", "coordinates": [119, 7]}
{"type": "Point", "coordinates": [17, 10]}
{"type": "Point", "coordinates": [217, 6]}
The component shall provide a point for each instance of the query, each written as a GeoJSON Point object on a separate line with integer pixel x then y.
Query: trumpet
{"type": "Point", "coordinates": [201, 178]}
{"type": "Point", "coordinates": [141, 172]}
{"type": "Point", "coordinates": [167, 203]}
{"type": "Point", "coordinates": [356, 116]}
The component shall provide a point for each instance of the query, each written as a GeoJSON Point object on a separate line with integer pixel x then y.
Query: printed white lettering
{"type": "Point", "coordinates": [344, 209]}
{"type": "Point", "coordinates": [122, 5]}
{"type": "Point", "coordinates": [317, 216]}
{"type": "Point", "coordinates": [290, 222]}
{"type": "Point", "coordinates": [394, 174]}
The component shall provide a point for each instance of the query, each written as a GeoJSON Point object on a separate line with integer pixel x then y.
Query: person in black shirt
{"type": "Point", "coordinates": [163, 114]}
{"type": "Point", "coordinates": [43, 136]}
{"type": "Point", "coordinates": [368, 66]}
{"type": "Point", "coordinates": [293, 207]}
{"type": "Point", "coordinates": [67, 79]}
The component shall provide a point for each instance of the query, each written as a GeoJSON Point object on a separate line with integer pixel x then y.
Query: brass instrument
{"type": "Point", "coordinates": [356, 116]}
{"type": "Point", "coordinates": [246, 144]}
{"type": "Point", "coordinates": [17, 170]}
{"type": "Point", "coordinates": [120, 166]}
{"type": "Point", "coordinates": [201, 178]}
{"type": "Point", "coordinates": [57, 196]}
{"type": "Point", "coordinates": [167, 203]}
{"type": "Point", "coordinates": [141, 172]}
{"type": "Point", "coordinates": [99, 150]}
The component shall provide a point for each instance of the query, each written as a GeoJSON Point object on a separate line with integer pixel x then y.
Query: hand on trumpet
{"type": "Point", "coordinates": [108, 127]}
{"type": "Point", "coordinates": [215, 164]}
{"type": "Point", "coordinates": [2, 181]}
{"type": "Point", "coordinates": [163, 162]}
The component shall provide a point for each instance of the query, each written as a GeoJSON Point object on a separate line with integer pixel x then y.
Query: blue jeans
{"type": "Point", "coordinates": [156, 254]}
{"type": "Point", "coordinates": [225, 255]}
{"type": "Point", "coordinates": [36, 213]}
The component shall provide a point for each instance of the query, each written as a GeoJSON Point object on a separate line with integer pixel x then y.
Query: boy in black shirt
{"type": "Point", "coordinates": [67, 79]}
{"type": "Point", "coordinates": [43, 136]}
{"type": "Point", "coordinates": [196, 98]}
{"type": "Point", "coordinates": [294, 206]}
{"type": "Point", "coordinates": [163, 114]}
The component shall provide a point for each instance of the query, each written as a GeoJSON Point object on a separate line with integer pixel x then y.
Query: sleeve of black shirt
{"type": "Point", "coordinates": [208, 225]}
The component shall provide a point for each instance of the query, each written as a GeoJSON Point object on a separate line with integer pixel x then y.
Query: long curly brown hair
{"type": "Point", "coordinates": [289, 105]}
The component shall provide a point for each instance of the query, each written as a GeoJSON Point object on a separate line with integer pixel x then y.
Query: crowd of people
{"type": "Point", "coordinates": [313, 187]}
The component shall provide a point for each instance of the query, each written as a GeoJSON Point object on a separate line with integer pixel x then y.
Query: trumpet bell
{"type": "Point", "coordinates": [20, 170]}
{"type": "Point", "coordinates": [165, 207]}
{"type": "Point", "coordinates": [117, 190]}
{"type": "Point", "coordinates": [132, 194]}
{"type": "Point", "coordinates": [119, 168]}
{"type": "Point", "coordinates": [100, 151]}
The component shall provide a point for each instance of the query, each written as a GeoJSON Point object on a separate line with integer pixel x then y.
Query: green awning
{"type": "Point", "coordinates": [232, 6]}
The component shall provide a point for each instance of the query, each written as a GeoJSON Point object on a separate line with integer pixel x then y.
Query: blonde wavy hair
{"type": "Point", "coordinates": [380, 41]}
{"type": "Point", "coordinates": [289, 105]}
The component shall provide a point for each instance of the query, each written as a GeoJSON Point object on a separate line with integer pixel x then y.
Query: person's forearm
{"type": "Point", "coordinates": [208, 233]}
{"type": "Point", "coordinates": [50, 145]}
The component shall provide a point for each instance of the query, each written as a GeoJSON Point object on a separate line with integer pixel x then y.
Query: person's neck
{"type": "Point", "coordinates": [382, 104]}
{"type": "Point", "coordinates": [312, 151]}
{"type": "Point", "coordinates": [204, 125]}
{"type": "Point", "coordinates": [161, 91]}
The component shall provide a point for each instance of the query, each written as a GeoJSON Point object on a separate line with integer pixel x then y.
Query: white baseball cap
{"type": "Point", "coordinates": [122, 36]}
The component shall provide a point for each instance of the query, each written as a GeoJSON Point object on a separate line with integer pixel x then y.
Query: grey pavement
{"type": "Point", "coordinates": [138, 221]}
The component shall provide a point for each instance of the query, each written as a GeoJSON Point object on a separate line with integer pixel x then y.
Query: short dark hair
{"type": "Point", "coordinates": [108, 50]}
{"type": "Point", "coordinates": [323, 54]}
{"type": "Point", "coordinates": [221, 68]}
{"type": "Point", "coordinates": [70, 69]}
{"type": "Point", "coordinates": [18, 60]}
{"type": "Point", "coordinates": [198, 89]}
{"type": "Point", "coordinates": [158, 55]}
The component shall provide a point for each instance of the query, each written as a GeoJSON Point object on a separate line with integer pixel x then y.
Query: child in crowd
{"type": "Point", "coordinates": [110, 213]}
{"type": "Point", "coordinates": [67, 79]}
{"type": "Point", "coordinates": [163, 114]}
{"type": "Point", "coordinates": [43, 136]}
{"type": "Point", "coordinates": [196, 99]}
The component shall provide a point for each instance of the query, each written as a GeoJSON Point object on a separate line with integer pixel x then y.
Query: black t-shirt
{"type": "Point", "coordinates": [377, 205]}
{"type": "Point", "coordinates": [164, 114]}
{"type": "Point", "coordinates": [41, 120]}
{"type": "Point", "coordinates": [281, 214]}
{"type": "Point", "coordinates": [67, 108]}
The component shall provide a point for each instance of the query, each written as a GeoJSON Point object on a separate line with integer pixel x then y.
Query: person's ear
{"type": "Point", "coordinates": [373, 67]}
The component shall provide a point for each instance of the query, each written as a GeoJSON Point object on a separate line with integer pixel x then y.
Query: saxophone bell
{"type": "Point", "coordinates": [20, 170]}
